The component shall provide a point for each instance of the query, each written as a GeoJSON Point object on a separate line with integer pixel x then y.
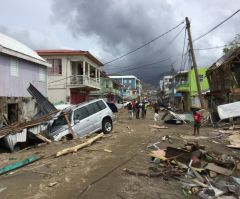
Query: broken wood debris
{"type": "Point", "coordinates": [158, 127]}
{"type": "Point", "coordinates": [80, 146]}
{"type": "Point", "coordinates": [44, 139]}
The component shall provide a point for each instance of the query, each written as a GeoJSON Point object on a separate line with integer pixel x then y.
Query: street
{"type": "Point", "coordinates": [97, 171]}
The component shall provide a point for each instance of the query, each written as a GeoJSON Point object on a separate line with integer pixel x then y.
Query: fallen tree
{"type": "Point", "coordinates": [80, 146]}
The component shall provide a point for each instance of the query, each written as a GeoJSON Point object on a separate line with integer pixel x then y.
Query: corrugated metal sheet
{"type": "Point", "coordinates": [12, 139]}
{"type": "Point", "coordinates": [44, 105]}
{"type": "Point", "coordinates": [37, 129]}
{"type": "Point", "coordinates": [14, 45]}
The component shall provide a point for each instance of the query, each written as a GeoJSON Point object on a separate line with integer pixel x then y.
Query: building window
{"type": "Point", "coordinates": [130, 81]}
{"type": "Point", "coordinates": [125, 81]}
{"type": "Point", "coordinates": [201, 77]}
{"type": "Point", "coordinates": [42, 75]}
{"type": "Point", "coordinates": [56, 67]}
{"type": "Point", "coordinates": [14, 67]}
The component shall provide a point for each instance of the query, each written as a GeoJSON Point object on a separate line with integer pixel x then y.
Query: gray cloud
{"type": "Point", "coordinates": [121, 26]}
{"type": "Point", "coordinates": [34, 40]}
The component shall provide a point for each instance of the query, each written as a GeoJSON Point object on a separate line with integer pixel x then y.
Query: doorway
{"type": "Point", "coordinates": [12, 113]}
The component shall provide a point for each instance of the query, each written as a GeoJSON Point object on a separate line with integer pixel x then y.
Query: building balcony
{"type": "Point", "coordinates": [182, 86]}
{"type": "Point", "coordinates": [83, 81]}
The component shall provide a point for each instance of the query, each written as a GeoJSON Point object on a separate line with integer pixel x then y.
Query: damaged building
{"type": "Point", "coordinates": [19, 66]}
{"type": "Point", "coordinates": [224, 80]}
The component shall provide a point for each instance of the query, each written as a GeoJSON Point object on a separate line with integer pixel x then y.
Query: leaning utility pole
{"type": "Point", "coordinates": [194, 62]}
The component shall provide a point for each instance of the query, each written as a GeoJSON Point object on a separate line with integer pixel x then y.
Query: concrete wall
{"type": "Point", "coordinates": [27, 107]}
{"type": "Point", "coordinates": [59, 95]}
{"type": "Point", "coordinates": [28, 72]}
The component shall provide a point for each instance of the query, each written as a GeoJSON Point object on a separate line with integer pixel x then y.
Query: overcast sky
{"type": "Point", "coordinates": [110, 28]}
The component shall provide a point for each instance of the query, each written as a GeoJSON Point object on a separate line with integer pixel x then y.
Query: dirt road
{"type": "Point", "coordinates": [94, 173]}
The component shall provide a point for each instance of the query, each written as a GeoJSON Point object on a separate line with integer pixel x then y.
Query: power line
{"type": "Point", "coordinates": [137, 67]}
{"type": "Point", "coordinates": [215, 27]}
{"type": "Point", "coordinates": [159, 51]}
{"type": "Point", "coordinates": [142, 46]}
{"type": "Point", "coordinates": [216, 47]}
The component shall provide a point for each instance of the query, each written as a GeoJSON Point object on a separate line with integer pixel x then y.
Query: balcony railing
{"type": "Point", "coordinates": [83, 80]}
{"type": "Point", "coordinates": [182, 86]}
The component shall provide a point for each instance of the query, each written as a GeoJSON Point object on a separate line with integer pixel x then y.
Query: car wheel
{"type": "Point", "coordinates": [107, 126]}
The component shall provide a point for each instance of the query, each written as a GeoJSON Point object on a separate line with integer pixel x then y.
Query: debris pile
{"type": "Point", "coordinates": [199, 172]}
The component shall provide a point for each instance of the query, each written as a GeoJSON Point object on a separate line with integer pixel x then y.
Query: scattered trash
{"type": "Point", "coordinates": [188, 137]}
{"type": "Point", "coordinates": [107, 150]}
{"type": "Point", "coordinates": [234, 141]}
{"type": "Point", "coordinates": [52, 184]}
{"type": "Point", "coordinates": [2, 189]}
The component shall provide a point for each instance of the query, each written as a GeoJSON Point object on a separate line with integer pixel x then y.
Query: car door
{"type": "Point", "coordinates": [82, 121]}
{"type": "Point", "coordinates": [93, 110]}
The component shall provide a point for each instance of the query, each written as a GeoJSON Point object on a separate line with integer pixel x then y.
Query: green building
{"type": "Point", "coordinates": [186, 88]}
{"type": "Point", "coordinates": [109, 89]}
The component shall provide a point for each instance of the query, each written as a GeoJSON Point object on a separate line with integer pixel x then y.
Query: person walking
{"type": "Point", "coordinates": [137, 109]}
{"type": "Point", "coordinates": [197, 122]}
{"type": "Point", "coordinates": [156, 112]}
{"type": "Point", "coordinates": [143, 110]}
{"type": "Point", "coordinates": [130, 111]}
{"type": "Point", "coordinates": [134, 106]}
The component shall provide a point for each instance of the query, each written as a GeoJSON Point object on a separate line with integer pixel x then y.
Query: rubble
{"type": "Point", "coordinates": [197, 170]}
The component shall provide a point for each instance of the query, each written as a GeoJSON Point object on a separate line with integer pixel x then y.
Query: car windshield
{"type": "Point", "coordinates": [60, 121]}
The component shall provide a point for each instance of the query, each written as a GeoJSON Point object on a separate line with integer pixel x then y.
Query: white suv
{"type": "Point", "coordinates": [85, 118]}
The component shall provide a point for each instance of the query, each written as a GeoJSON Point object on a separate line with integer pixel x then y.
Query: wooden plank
{"type": "Point", "coordinates": [44, 139]}
{"type": "Point", "coordinates": [158, 127]}
{"type": "Point", "coordinates": [218, 169]}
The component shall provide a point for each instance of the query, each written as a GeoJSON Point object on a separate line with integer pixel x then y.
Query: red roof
{"type": "Point", "coordinates": [69, 52]}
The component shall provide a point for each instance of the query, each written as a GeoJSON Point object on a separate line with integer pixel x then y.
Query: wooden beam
{"type": "Point", "coordinates": [80, 146]}
{"type": "Point", "coordinates": [44, 139]}
{"type": "Point", "coordinates": [74, 134]}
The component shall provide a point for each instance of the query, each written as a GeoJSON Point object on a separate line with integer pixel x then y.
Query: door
{"type": "Point", "coordinates": [82, 121]}
{"type": "Point", "coordinates": [95, 113]}
{"type": "Point", "coordinates": [76, 97]}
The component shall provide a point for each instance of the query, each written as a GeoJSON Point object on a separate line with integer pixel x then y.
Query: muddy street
{"type": "Point", "coordinates": [97, 171]}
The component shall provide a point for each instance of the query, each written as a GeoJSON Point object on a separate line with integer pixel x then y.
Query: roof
{"type": "Point", "coordinates": [229, 56]}
{"type": "Point", "coordinates": [54, 52]}
{"type": "Point", "coordinates": [14, 48]}
{"type": "Point", "coordinates": [123, 76]}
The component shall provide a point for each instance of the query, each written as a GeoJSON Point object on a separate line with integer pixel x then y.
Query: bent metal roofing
{"type": "Point", "coordinates": [69, 52]}
{"type": "Point", "coordinates": [14, 48]}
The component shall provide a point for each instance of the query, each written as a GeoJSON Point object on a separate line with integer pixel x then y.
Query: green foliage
{"type": "Point", "coordinates": [233, 44]}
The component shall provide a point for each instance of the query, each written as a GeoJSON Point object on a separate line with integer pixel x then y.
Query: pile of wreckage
{"type": "Point", "coordinates": [37, 128]}
{"type": "Point", "coordinates": [199, 172]}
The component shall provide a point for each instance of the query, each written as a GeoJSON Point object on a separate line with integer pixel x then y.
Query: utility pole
{"type": "Point", "coordinates": [194, 63]}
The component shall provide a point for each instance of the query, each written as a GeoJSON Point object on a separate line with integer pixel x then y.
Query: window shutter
{"type": "Point", "coordinates": [42, 75]}
{"type": "Point", "coordinates": [14, 67]}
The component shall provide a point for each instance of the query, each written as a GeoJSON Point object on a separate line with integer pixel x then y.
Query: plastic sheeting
{"type": "Point", "coordinates": [230, 110]}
